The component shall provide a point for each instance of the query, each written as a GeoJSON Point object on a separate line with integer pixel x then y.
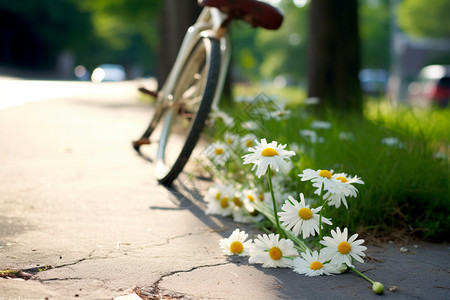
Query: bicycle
{"type": "Point", "coordinates": [195, 83]}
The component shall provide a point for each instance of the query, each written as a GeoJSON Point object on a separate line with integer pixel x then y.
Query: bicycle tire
{"type": "Point", "coordinates": [198, 78]}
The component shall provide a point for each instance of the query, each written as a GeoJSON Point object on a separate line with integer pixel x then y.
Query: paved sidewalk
{"type": "Point", "coordinates": [83, 215]}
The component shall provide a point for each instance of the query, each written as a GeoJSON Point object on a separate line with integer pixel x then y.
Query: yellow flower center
{"type": "Point", "coordinates": [305, 213]}
{"type": "Point", "coordinates": [219, 151]}
{"type": "Point", "coordinates": [344, 247]}
{"type": "Point", "coordinates": [250, 197]}
{"type": "Point", "coordinates": [275, 253]}
{"type": "Point", "coordinates": [229, 141]}
{"type": "Point", "coordinates": [236, 247]}
{"type": "Point", "coordinates": [218, 196]}
{"type": "Point", "coordinates": [224, 202]}
{"type": "Point", "coordinates": [325, 173]}
{"type": "Point", "coordinates": [249, 143]}
{"type": "Point", "coordinates": [261, 197]}
{"type": "Point", "coordinates": [269, 152]}
{"type": "Point", "coordinates": [342, 179]}
{"type": "Point", "coordinates": [237, 202]}
{"type": "Point", "coordinates": [316, 265]}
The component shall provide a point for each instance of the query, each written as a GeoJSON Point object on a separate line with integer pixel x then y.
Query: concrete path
{"type": "Point", "coordinates": [82, 217]}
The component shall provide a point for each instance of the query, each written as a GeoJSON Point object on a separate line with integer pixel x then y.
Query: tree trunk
{"type": "Point", "coordinates": [334, 55]}
{"type": "Point", "coordinates": [176, 17]}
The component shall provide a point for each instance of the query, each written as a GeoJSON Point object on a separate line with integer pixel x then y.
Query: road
{"type": "Point", "coordinates": [14, 92]}
{"type": "Point", "coordinates": [83, 214]}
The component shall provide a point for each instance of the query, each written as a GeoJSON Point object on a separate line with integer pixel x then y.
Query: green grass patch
{"type": "Point", "coordinates": [402, 155]}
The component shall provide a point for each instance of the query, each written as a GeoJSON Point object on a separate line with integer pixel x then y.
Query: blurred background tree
{"type": "Point", "coordinates": [334, 55]}
{"type": "Point", "coordinates": [128, 30]}
{"type": "Point", "coordinates": [374, 30]}
{"type": "Point", "coordinates": [175, 19]}
{"type": "Point", "coordinates": [143, 35]}
{"type": "Point", "coordinates": [33, 32]}
{"type": "Point", "coordinates": [424, 18]}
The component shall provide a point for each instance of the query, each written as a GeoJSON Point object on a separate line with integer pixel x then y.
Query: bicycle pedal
{"type": "Point", "coordinates": [138, 143]}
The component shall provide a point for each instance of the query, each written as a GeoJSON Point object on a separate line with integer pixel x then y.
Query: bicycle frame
{"type": "Point", "coordinates": [195, 83]}
{"type": "Point", "coordinates": [207, 25]}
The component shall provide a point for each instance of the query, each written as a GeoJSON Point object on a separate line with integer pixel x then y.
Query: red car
{"type": "Point", "coordinates": [431, 87]}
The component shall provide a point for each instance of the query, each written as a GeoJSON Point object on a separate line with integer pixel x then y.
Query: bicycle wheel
{"type": "Point", "coordinates": [192, 99]}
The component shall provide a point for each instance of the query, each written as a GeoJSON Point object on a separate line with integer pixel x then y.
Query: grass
{"type": "Point", "coordinates": [406, 188]}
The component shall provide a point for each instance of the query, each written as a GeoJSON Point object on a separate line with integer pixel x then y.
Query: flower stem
{"type": "Point", "coordinates": [361, 274]}
{"type": "Point", "coordinates": [377, 287]}
{"type": "Point", "coordinates": [320, 214]}
{"type": "Point", "coordinates": [274, 203]}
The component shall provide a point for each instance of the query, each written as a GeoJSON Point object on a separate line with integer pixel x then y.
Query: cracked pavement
{"type": "Point", "coordinates": [84, 216]}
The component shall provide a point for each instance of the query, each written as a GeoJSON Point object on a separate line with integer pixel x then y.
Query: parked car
{"type": "Point", "coordinates": [108, 72]}
{"type": "Point", "coordinates": [431, 86]}
{"type": "Point", "coordinates": [373, 81]}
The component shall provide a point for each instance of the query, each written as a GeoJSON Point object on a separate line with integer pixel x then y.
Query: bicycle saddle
{"type": "Point", "coordinates": [258, 14]}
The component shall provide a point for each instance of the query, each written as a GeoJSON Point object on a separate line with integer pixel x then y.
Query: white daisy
{"type": "Point", "coordinates": [266, 155]}
{"type": "Point", "coordinates": [272, 252]}
{"type": "Point", "coordinates": [347, 179]}
{"type": "Point", "coordinates": [251, 194]}
{"type": "Point", "coordinates": [236, 244]}
{"type": "Point", "coordinates": [214, 192]}
{"type": "Point", "coordinates": [309, 135]}
{"type": "Point", "coordinates": [218, 153]}
{"type": "Point", "coordinates": [346, 136]}
{"type": "Point", "coordinates": [338, 192]}
{"type": "Point", "coordinates": [312, 101]}
{"type": "Point", "coordinates": [392, 141]}
{"type": "Point", "coordinates": [320, 125]}
{"type": "Point", "coordinates": [221, 204]}
{"type": "Point", "coordinates": [298, 217]}
{"type": "Point", "coordinates": [249, 125]}
{"type": "Point", "coordinates": [217, 114]}
{"type": "Point", "coordinates": [313, 265]}
{"type": "Point", "coordinates": [232, 140]}
{"type": "Point", "coordinates": [280, 112]}
{"type": "Point", "coordinates": [278, 115]}
{"type": "Point", "coordinates": [320, 178]}
{"type": "Point", "coordinates": [241, 213]}
{"type": "Point", "coordinates": [340, 250]}
{"type": "Point", "coordinates": [247, 141]}
{"type": "Point", "coordinates": [238, 199]}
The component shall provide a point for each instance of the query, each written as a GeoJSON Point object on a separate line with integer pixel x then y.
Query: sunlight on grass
{"type": "Point", "coordinates": [292, 95]}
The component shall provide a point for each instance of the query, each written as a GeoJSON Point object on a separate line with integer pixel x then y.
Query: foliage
{"type": "Point", "coordinates": [129, 29]}
{"type": "Point", "coordinates": [58, 23]}
{"type": "Point", "coordinates": [261, 54]}
{"type": "Point", "coordinates": [126, 32]}
{"type": "Point", "coordinates": [374, 30]}
{"type": "Point", "coordinates": [424, 18]}
{"type": "Point", "coordinates": [96, 31]}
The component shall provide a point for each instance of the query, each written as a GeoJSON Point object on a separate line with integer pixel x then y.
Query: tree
{"type": "Point", "coordinates": [284, 50]}
{"type": "Point", "coordinates": [126, 31]}
{"type": "Point", "coordinates": [425, 18]}
{"type": "Point", "coordinates": [333, 55]}
{"type": "Point", "coordinates": [374, 29]}
{"type": "Point", "coordinates": [33, 32]}
{"type": "Point", "coordinates": [265, 54]}
{"type": "Point", "coordinates": [176, 17]}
